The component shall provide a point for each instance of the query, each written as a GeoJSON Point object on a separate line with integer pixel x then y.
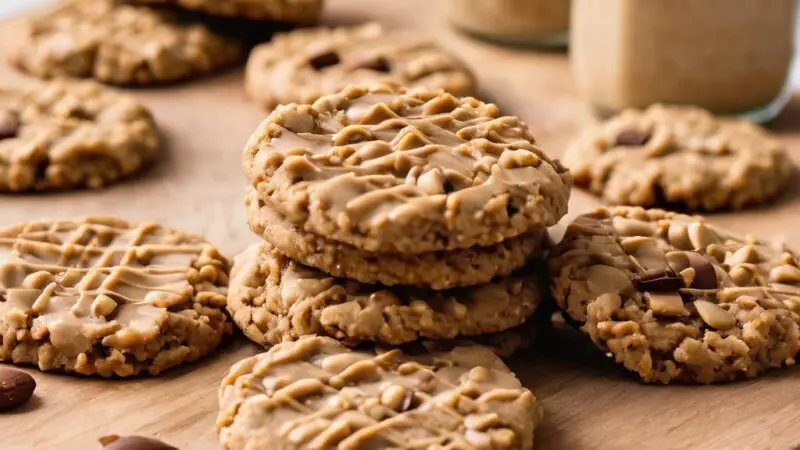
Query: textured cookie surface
{"type": "Point", "coordinates": [437, 270]}
{"type": "Point", "coordinates": [68, 135]}
{"type": "Point", "coordinates": [275, 299]}
{"type": "Point", "coordinates": [120, 44]}
{"type": "Point", "coordinates": [679, 157]}
{"type": "Point", "coordinates": [504, 344]}
{"type": "Point", "coordinates": [674, 298]}
{"type": "Point", "coordinates": [390, 170]}
{"type": "Point", "coordinates": [102, 296]}
{"type": "Point", "coordinates": [293, 11]}
{"type": "Point", "coordinates": [303, 65]}
{"type": "Point", "coordinates": [316, 393]}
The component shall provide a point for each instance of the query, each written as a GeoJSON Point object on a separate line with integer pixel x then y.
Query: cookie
{"type": "Point", "coordinates": [121, 44]}
{"type": "Point", "coordinates": [316, 393]}
{"type": "Point", "coordinates": [102, 296]}
{"type": "Point", "coordinates": [437, 270]}
{"type": "Point", "coordinates": [303, 65]}
{"type": "Point", "coordinates": [387, 169]}
{"type": "Point", "coordinates": [291, 11]}
{"type": "Point", "coordinates": [674, 298]}
{"type": "Point", "coordinates": [680, 157]}
{"type": "Point", "coordinates": [504, 344]}
{"type": "Point", "coordinates": [274, 299]}
{"type": "Point", "coordinates": [66, 135]}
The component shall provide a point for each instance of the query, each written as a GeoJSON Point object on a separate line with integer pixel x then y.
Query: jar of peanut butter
{"type": "Point", "coordinates": [539, 23]}
{"type": "Point", "coordinates": [728, 56]}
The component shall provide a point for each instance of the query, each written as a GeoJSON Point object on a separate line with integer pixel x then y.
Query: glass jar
{"type": "Point", "coordinates": [538, 23]}
{"type": "Point", "coordinates": [728, 56]}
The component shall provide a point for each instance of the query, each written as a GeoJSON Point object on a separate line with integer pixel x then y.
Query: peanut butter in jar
{"type": "Point", "coordinates": [538, 23]}
{"type": "Point", "coordinates": [728, 56]}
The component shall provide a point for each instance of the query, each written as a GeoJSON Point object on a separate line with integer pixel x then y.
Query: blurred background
{"type": "Point", "coordinates": [469, 24]}
{"type": "Point", "coordinates": [10, 6]}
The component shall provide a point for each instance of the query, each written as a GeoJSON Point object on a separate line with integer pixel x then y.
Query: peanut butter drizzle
{"type": "Point", "coordinates": [100, 280]}
{"type": "Point", "coordinates": [425, 144]}
{"type": "Point", "coordinates": [385, 156]}
{"type": "Point", "coordinates": [316, 393]}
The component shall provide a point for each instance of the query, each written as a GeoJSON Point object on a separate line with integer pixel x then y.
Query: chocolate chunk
{"type": "Point", "coordinates": [632, 138]}
{"type": "Point", "coordinates": [324, 60]}
{"type": "Point", "coordinates": [705, 276]}
{"type": "Point", "coordinates": [379, 64]}
{"type": "Point", "coordinates": [40, 171]}
{"type": "Point", "coordinates": [447, 185]}
{"type": "Point", "coordinates": [115, 442]}
{"type": "Point", "coordinates": [511, 210]}
{"type": "Point", "coordinates": [80, 113]}
{"type": "Point", "coordinates": [410, 401]}
{"type": "Point", "coordinates": [9, 125]}
{"type": "Point", "coordinates": [16, 388]}
{"type": "Point", "coordinates": [659, 282]}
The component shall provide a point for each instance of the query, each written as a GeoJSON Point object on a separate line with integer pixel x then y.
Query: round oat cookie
{"type": "Point", "coordinates": [67, 135]}
{"type": "Point", "coordinates": [121, 44]}
{"type": "Point", "coordinates": [674, 298]}
{"type": "Point", "coordinates": [102, 296]}
{"type": "Point", "coordinates": [303, 65]}
{"type": "Point", "coordinates": [316, 393]}
{"type": "Point", "coordinates": [679, 157]}
{"type": "Point", "coordinates": [291, 11]}
{"type": "Point", "coordinates": [274, 299]}
{"type": "Point", "coordinates": [387, 169]}
{"type": "Point", "coordinates": [436, 270]}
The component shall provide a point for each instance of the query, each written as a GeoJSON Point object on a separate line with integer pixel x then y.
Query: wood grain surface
{"type": "Point", "coordinates": [197, 185]}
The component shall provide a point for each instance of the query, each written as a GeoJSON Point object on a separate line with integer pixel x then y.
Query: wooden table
{"type": "Point", "coordinates": [198, 186]}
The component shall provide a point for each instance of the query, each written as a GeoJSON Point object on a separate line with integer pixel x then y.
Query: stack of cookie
{"type": "Point", "coordinates": [391, 215]}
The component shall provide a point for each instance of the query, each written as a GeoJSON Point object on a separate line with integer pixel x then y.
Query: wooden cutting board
{"type": "Point", "coordinates": [198, 186]}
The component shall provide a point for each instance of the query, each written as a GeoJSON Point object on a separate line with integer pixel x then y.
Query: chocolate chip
{"type": "Point", "coordinates": [410, 401]}
{"type": "Point", "coordinates": [80, 113]}
{"type": "Point", "coordinates": [659, 282]}
{"type": "Point", "coordinates": [9, 125]}
{"type": "Point", "coordinates": [115, 442]}
{"type": "Point", "coordinates": [379, 64]}
{"type": "Point", "coordinates": [511, 209]}
{"type": "Point", "coordinates": [447, 185]}
{"type": "Point", "coordinates": [705, 277]}
{"type": "Point", "coordinates": [16, 388]}
{"type": "Point", "coordinates": [40, 170]}
{"type": "Point", "coordinates": [324, 60]}
{"type": "Point", "coordinates": [632, 138]}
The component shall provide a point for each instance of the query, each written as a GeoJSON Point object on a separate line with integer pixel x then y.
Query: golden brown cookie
{"type": "Point", "coordinates": [274, 299]}
{"type": "Point", "coordinates": [387, 169]}
{"type": "Point", "coordinates": [102, 296]}
{"type": "Point", "coordinates": [304, 65]}
{"type": "Point", "coordinates": [436, 270]}
{"type": "Point", "coordinates": [674, 298]}
{"type": "Point", "coordinates": [680, 157]}
{"type": "Point", "coordinates": [66, 135]}
{"type": "Point", "coordinates": [316, 393]}
{"type": "Point", "coordinates": [121, 44]}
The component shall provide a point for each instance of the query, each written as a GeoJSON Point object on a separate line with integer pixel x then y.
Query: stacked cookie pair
{"type": "Point", "coordinates": [391, 216]}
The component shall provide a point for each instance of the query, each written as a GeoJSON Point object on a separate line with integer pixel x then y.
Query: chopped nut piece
{"type": "Point", "coordinates": [666, 304]}
{"type": "Point", "coordinates": [714, 315]}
